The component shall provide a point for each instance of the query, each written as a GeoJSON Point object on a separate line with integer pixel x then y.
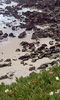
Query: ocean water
{"type": "Point", "coordinates": [11, 20]}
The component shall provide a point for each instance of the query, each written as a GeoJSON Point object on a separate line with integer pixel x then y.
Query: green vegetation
{"type": "Point", "coordinates": [42, 86]}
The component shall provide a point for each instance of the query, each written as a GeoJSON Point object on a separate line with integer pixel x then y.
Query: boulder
{"type": "Point", "coordinates": [8, 60]}
{"type": "Point", "coordinates": [51, 42]}
{"type": "Point", "coordinates": [31, 68]}
{"type": "Point", "coordinates": [24, 44]}
{"type": "Point", "coordinates": [43, 66]}
{"type": "Point", "coordinates": [13, 28]}
{"type": "Point", "coordinates": [24, 49]}
{"type": "Point", "coordinates": [31, 45]}
{"type": "Point", "coordinates": [5, 65]}
{"type": "Point", "coordinates": [11, 35]}
{"type": "Point", "coordinates": [18, 50]}
{"type": "Point", "coordinates": [1, 33]}
{"type": "Point", "coordinates": [25, 57]}
{"type": "Point", "coordinates": [22, 35]}
{"type": "Point", "coordinates": [5, 35]}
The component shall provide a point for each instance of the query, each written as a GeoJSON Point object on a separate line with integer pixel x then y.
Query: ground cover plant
{"type": "Point", "coordinates": [42, 86]}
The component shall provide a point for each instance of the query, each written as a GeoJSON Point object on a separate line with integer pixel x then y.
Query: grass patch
{"type": "Point", "coordinates": [42, 86]}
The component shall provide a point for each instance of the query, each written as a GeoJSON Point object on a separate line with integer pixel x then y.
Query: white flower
{"type": "Point", "coordinates": [58, 90]}
{"type": "Point", "coordinates": [57, 78]}
{"type": "Point", "coordinates": [51, 93]}
{"type": "Point", "coordinates": [6, 90]}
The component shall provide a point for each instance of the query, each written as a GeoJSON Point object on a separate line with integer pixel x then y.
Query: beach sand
{"type": "Point", "coordinates": [8, 51]}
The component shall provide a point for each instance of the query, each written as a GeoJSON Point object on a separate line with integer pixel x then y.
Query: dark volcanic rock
{"type": "Point", "coordinates": [3, 77]}
{"type": "Point", "coordinates": [18, 50]}
{"type": "Point", "coordinates": [8, 8]}
{"type": "Point", "coordinates": [5, 35]}
{"type": "Point", "coordinates": [22, 25]}
{"type": "Point", "coordinates": [11, 35]}
{"type": "Point", "coordinates": [24, 49]}
{"type": "Point", "coordinates": [22, 35]}
{"type": "Point", "coordinates": [43, 66]}
{"type": "Point", "coordinates": [5, 65]}
{"type": "Point", "coordinates": [29, 26]}
{"type": "Point", "coordinates": [13, 28]}
{"type": "Point", "coordinates": [51, 42]}
{"type": "Point", "coordinates": [53, 62]}
{"type": "Point", "coordinates": [39, 34]}
{"type": "Point", "coordinates": [1, 60]}
{"type": "Point", "coordinates": [42, 47]}
{"type": "Point", "coordinates": [58, 45]}
{"type": "Point", "coordinates": [25, 57]}
{"type": "Point", "coordinates": [31, 45]}
{"type": "Point", "coordinates": [1, 33]}
{"type": "Point", "coordinates": [24, 43]}
{"type": "Point", "coordinates": [31, 68]}
{"type": "Point", "coordinates": [1, 37]}
{"type": "Point", "coordinates": [34, 35]}
{"type": "Point", "coordinates": [34, 60]}
{"type": "Point", "coordinates": [8, 75]}
{"type": "Point", "coordinates": [27, 46]}
{"type": "Point", "coordinates": [33, 55]}
{"type": "Point", "coordinates": [52, 48]}
{"type": "Point", "coordinates": [8, 60]}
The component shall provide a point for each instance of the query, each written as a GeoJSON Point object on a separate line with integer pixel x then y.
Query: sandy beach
{"type": "Point", "coordinates": [27, 44]}
{"type": "Point", "coordinates": [8, 51]}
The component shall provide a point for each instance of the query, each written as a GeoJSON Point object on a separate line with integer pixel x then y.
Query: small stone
{"type": "Point", "coordinates": [1, 33]}
{"type": "Point", "coordinates": [1, 60]}
{"type": "Point", "coordinates": [33, 60]}
{"type": "Point", "coordinates": [12, 35]}
{"type": "Point", "coordinates": [22, 62]}
{"type": "Point", "coordinates": [5, 35]}
{"type": "Point", "coordinates": [5, 65]}
{"type": "Point", "coordinates": [22, 35]}
{"type": "Point", "coordinates": [18, 50]}
{"type": "Point", "coordinates": [31, 68]}
{"type": "Point", "coordinates": [51, 42]}
{"type": "Point", "coordinates": [25, 64]}
{"type": "Point", "coordinates": [43, 66]}
{"type": "Point", "coordinates": [8, 60]}
{"type": "Point", "coordinates": [14, 59]}
{"type": "Point", "coordinates": [30, 64]}
{"type": "Point", "coordinates": [24, 50]}
{"type": "Point", "coordinates": [3, 77]}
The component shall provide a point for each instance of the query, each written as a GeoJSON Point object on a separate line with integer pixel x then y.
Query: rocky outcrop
{"type": "Point", "coordinates": [22, 35]}
{"type": "Point", "coordinates": [5, 64]}
{"type": "Point", "coordinates": [43, 66]}
{"type": "Point", "coordinates": [25, 57]}
{"type": "Point", "coordinates": [5, 35]}
{"type": "Point", "coordinates": [18, 50]}
{"type": "Point", "coordinates": [1, 33]}
{"type": "Point", "coordinates": [11, 35]}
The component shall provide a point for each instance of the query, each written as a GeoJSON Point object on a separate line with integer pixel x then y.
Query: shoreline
{"type": "Point", "coordinates": [29, 38]}
{"type": "Point", "coordinates": [8, 51]}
